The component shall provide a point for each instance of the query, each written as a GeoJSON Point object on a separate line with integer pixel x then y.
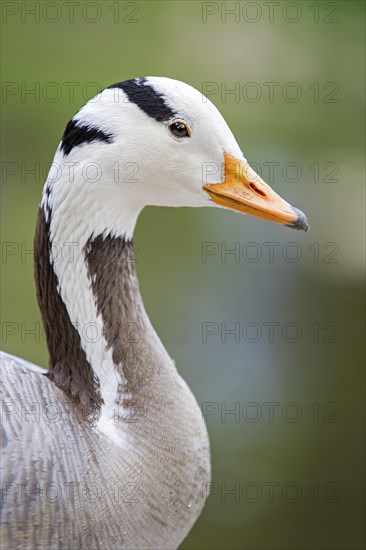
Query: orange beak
{"type": "Point", "coordinates": [245, 191]}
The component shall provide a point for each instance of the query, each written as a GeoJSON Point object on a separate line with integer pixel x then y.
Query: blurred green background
{"type": "Point", "coordinates": [311, 450]}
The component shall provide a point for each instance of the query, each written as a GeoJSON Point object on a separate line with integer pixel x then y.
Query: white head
{"type": "Point", "coordinates": [153, 141]}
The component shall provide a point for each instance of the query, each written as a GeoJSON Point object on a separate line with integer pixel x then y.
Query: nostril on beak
{"type": "Point", "coordinates": [257, 191]}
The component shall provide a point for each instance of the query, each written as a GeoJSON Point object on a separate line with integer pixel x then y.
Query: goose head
{"type": "Point", "coordinates": [154, 141]}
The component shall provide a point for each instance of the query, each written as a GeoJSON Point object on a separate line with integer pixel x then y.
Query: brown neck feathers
{"type": "Point", "coordinates": [111, 270]}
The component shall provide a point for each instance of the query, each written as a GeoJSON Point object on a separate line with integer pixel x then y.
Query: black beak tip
{"type": "Point", "coordinates": [302, 223]}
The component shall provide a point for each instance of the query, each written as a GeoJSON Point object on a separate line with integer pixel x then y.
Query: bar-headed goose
{"type": "Point", "coordinates": [108, 449]}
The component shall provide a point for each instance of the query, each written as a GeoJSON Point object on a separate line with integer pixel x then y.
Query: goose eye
{"type": "Point", "coordinates": [179, 129]}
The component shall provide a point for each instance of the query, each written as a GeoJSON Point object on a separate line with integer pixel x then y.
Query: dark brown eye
{"type": "Point", "coordinates": [179, 129]}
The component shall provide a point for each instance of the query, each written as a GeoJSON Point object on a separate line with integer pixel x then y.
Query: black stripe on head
{"type": "Point", "coordinates": [140, 92]}
{"type": "Point", "coordinates": [75, 135]}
